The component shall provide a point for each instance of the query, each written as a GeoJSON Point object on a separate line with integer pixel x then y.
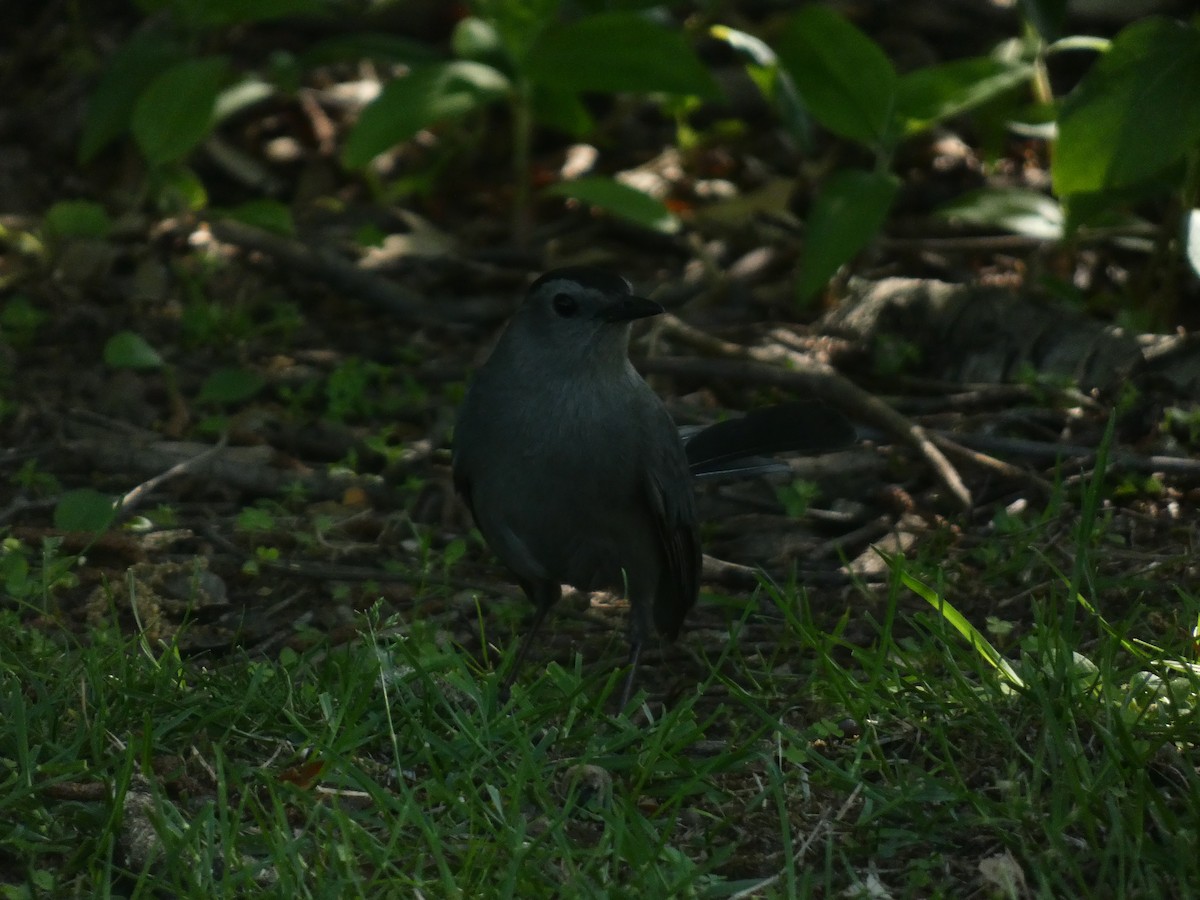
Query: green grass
{"type": "Point", "coordinates": [389, 767]}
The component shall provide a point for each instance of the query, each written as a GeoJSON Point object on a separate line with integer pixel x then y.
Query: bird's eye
{"type": "Point", "coordinates": [565, 305]}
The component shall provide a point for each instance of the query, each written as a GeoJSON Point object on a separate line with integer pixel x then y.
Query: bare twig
{"type": "Point", "coordinates": [134, 497]}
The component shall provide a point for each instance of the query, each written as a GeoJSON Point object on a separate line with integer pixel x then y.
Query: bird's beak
{"type": "Point", "coordinates": [629, 308]}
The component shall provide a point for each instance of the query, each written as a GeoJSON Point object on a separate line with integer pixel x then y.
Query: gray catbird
{"type": "Point", "coordinates": [575, 473]}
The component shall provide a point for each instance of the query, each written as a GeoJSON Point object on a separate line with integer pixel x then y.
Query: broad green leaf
{"type": "Point", "coordinates": [175, 113]}
{"type": "Point", "coordinates": [178, 188]}
{"type": "Point", "coordinates": [846, 81]}
{"type": "Point", "coordinates": [1012, 209]}
{"type": "Point", "coordinates": [226, 386]}
{"type": "Point", "coordinates": [128, 350]}
{"type": "Point", "coordinates": [84, 510]}
{"type": "Point", "coordinates": [1135, 113]}
{"type": "Point", "coordinates": [562, 110]}
{"type": "Point", "coordinates": [270, 215]}
{"type": "Point", "coordinates": [424, 97]}
{"type": "Point", "coordinates": [617, 52]}
{"type": "Point", "coordinates": [929, 95]}
{"type": "Point", "coordinates": [110, 106]}
{"type": "Point", "coordinates": [77, 218]}
{"type": "Point", "coordinates": [847, 214]}
{"type": "Point", "coordinates": [620, 200]}
{"type": "Point", "coordinates": [1112, 209]}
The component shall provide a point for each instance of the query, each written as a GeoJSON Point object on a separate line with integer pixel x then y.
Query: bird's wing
{"type": "Point", "coordinates": [668, 490]}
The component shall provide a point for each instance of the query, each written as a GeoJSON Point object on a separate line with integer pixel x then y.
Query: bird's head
{"type": "Point", "coordinates": [581, 312]}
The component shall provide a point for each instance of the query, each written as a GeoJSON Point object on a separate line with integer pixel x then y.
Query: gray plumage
{"type": "Point", "coordinates": [573, 470]}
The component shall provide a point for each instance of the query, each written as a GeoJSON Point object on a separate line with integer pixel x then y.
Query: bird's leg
{"type": "Point", "coordinates": [543, 597]}
{"type": "Point", "coordinates": [635, 653]}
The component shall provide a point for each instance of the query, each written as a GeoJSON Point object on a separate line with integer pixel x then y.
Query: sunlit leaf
{"type": "Point", "coordinates": [426, 96]}
{"type": "Point", "coordinates": [620, 200]}
{"type": "Point", "coordinates": [1135, 113]}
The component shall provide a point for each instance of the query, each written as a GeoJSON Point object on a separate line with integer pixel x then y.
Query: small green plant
{"type": "Point", "coordinates": [797, 497]}
{"type": "Point", "coordinates": [540, 63]}
{"type": "Point", "coordinates": [30, 478]}
{"type": "Point", "coordinates": [20, 321]}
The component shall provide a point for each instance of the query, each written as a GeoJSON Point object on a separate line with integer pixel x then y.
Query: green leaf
{"type": "Point", "coordinates": [84, 510]}
{"type": "Point", "coordinates": [1017, 210]}
{"type": "Point", "coordinates": [426, 96]}
{"type": "Point", "coordinates": [177, 188]}
{"type": "Point", "coordinates": [614, 52]}
{"type": "Point", "coordinates": [110, 107]}
{"type": "Point", "coordinates": [774, 83]}
{"type": "Point", "coordinates": [1135, 113]}
{"type": "Point", "coordinates": [961, 624]}
{"type": "Point", "coordinates": [846, 81]}
{"type": "Point", "coordinates": [562, 110]}
{"type": "Point", "coordinates": [847, 214]}
{"type": "Point", "coordinates": [226, 386]}
{"type": "Point", "coordinates": [929, 95]}
{"type": "Point", "coordinates": [128, 350]}
{"type": "Point", "coordinates": [269, 215]}
{"type": "Point", "coordinates": [620, 200]}
{"type": "Point", "coordinates": [175, 113]}
{"type": "Point", "coordinates": [77, 218]}
{"type": "Point", "coordinates": [477, 39]}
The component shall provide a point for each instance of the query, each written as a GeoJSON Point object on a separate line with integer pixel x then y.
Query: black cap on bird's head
{"type": "Point", "coordinates": [583, 292]}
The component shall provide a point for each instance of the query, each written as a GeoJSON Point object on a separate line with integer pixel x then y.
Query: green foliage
{"type": "Point", "coordinates": [621, 200]}
{"type": "Point", "coordinates": [1018, 210]}
{"type": "Point", "coordinates": [176, 110]}
{"type": "Point", "coordinates": [1128, 132]}
{"type": "Point", "coordinates": [427, 95]}
{"type": "Point", "coordinates": [616, 52]}
{"type": "Point", "coordinates": [846, 80]}
{"type": "Point", "coordinates": [849, 211]}
{"type": "Point", "coordinates": [129, 350]}
{"type": "Point", "coordinates": [84, 510]}
{"type": "Point", "coordinates": [20, 320]}
{"type": "Point", "coordinates": [1134, 114]}
{"type": "Point", "coordinates": [77, 218]}
{"type": "Point", "coordinates": [230, 386]}
{"type": "Point", "coordinates": [269, 215]}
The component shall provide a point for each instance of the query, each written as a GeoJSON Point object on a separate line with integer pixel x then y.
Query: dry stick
{"type": "Point", "coordinates": [999, 466]}
{"type": "Point", "coordinates": [810, 378]}
{"type": "Point", "coordinates": [343, 275]}
{"type": "Point", "coordinates": [135, 496]}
